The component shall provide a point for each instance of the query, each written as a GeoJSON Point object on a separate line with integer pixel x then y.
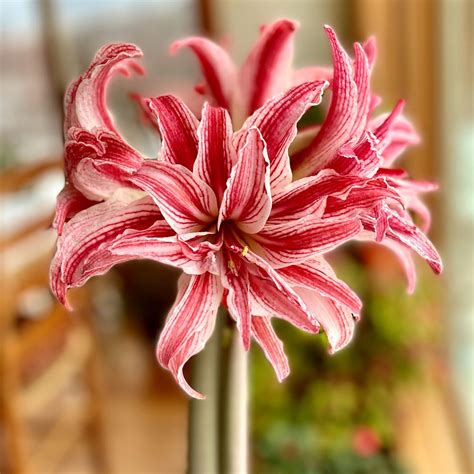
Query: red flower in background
{"type": "Point", "coordinates": [247, 223]}
{"type": "Point", "coordinates": [365, 441]}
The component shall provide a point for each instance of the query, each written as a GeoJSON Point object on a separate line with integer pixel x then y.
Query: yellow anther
{"type": "Point", "coordinates": [232, 267]}
{"type": "Point", "coordinates": [245, 251]}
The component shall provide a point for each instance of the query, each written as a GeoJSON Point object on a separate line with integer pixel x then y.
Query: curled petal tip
{"type": "Point", "coordinates": [336, 346]}
{"type": "Point", "coordinates": [437, 266]}
{"type": "Point", "coordinates": [186, 387]}
{"type": "Point", "coordinates": [370, 48]}
{"type": "Point", "coordinates": [282, 376]}
{"type": "Point", "coordinates": [67, 304]}
{"type": "Point", "coordinates": [246, 343]}
{"type": "Point", "coordinates": [370, 43]}
{"type": "Point", "coordinates": [399, 106]}
{"type": "Point", "coordinates": [292, 25]}
{"type": "Point", "coordinates": [200, 89]}
{"type": "Point", "coordinates": [360, 52]}
{"type": "Point", "coordinates": [113, 49]}
{"type": "Point", "coordinates": [176, 46]}
{"type": "Point", "coordinates": [329, 30]}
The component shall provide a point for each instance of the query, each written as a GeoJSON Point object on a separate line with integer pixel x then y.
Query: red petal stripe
{"type": "Point", "coordinates": [91, 231]}
{"type": "Point", "coordinates": [85, 100]}
{"type": "Point", "coordinates": [277, 121]}
{"type": "Point", "coordinates": [189, 325]}
{"type": "Point", "coordinates": [269, 300]}
{"type": "Point", "coordinates": [216, 65]}
{"type": "Point", "coordinates": [266, 70]}
{"type": "Point", "coordinates": [339, 123]}
{"type": "Point", "coordinates": [178, 128]}
{"type": "Point", "coordinates": [313, 276]}
{"type": "Point", "coordinates": [187, 203]}
{"type": "Point", "coordinates": [300, 199]}
{"type": "Point", "coordinates": [337, 321]}
{"type": "Point", "coordinates": [295, 241]}
{"type": "Point", "coordinates": [69, 202]}
{"type": "Point", "coordinates": [235, 280]}
{"type": "Point", "coordinates": [266, 337]}
{"type": "Point", "coordinates": [216, 152]}
{"type": "Point", "coordinates": [247, 199]}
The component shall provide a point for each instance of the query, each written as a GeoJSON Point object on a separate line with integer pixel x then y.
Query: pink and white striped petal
{"type": "Point", "coordinates": [361, 199]}
{"type": "Point", "coordinates": [337, 321]}
{"type": "Point", "coordinates": [216, 154]}
{"type": "Point", "coordinates": [339, 123]}
{"type": "Point", "coordinates": [89, 233]}
{"type": "Point", "coordinates": [277, 121]}
{"type": "Point", "coordinates": [156, 243]}
{"type": "Point", "coordinates": [306, 195]}
{"type": "Point", "coordinates": [266, 70]}
{"type": "Point", "coordinates": [189, 325]}
{"type": "Point", "coordinates": [99, 162]}
{"type": "Point", "coordinates": [85, 100]}
{"type": "Point", "coordinates": [247, 199]}
{"type": "Point", "coordinates": [406, 232]}
{"type": "Point", "coordinates": [271, 295]}
{"type": "Point", "coordinates": [271, 345]}
{"type": "Point", "coordinates": [409, 190]}
{"type": "Point", "coordinates": [363, 160]}
{"type": "Point", "coordinates": [187, 202]}
{"type": "Point", "coordinates": [178, 128]}
{"type": "Point", "coordinates": [395, 133]}
{"type": "Point", "coordinates": [295, 241]}
{"type": "Point", "coordinates": [362, 81]}
{"type": "Point", "coordinates": [202, 250]}
{"type": "Point", "coordinates": [68, 203]}
{"type": "Point", "coordinates": [235, 280]}
{"type": "Point", "coordinates": [217, 67]}
{"type": "Point", "coordinates": [315, 275]}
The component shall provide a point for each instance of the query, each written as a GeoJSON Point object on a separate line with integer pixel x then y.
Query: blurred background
{"type": "Point", "coordinates": [83, 393]}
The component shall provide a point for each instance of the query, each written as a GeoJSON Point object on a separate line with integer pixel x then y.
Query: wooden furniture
{"type": "Point", "coordinates": [49, 372]}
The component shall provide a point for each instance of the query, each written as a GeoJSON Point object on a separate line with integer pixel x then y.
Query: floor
{"type": "Point", "coordinates": [144, 412]}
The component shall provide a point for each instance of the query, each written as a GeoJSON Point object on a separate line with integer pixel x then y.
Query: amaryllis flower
{"type": "Point", "coordinates": [348, 141]}
{"type": "Point", "coordinates": [220, 205]}
{"type": "Point", "coordinates": [247, 223]}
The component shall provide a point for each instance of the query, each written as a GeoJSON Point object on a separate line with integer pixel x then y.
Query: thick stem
{"type": "Point", "coordinates": [203, 417]}
{"type": "Point", "coordinates": [234, 410]}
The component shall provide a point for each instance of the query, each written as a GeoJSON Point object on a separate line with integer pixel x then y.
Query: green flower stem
{"type": "Point", "coordinates": [203, 415]}
{"type": "Point", "coordinates": [218, 425]}
{"type": "Point", "coordinates": [234, 410]}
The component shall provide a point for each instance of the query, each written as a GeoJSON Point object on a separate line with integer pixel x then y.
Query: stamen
{"type": "Point", "coordinates": [231, 266]}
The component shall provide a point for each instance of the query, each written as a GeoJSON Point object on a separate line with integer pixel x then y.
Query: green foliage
{"type": "Point", "coordinates": [308, 423]}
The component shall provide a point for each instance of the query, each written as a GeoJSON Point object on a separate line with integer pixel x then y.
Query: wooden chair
{"type": "Point", "coordinates": [49, 369]}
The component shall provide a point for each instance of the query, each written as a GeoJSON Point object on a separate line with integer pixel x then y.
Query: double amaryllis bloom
{"type": "Point", "coordinates": [246, 213]}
